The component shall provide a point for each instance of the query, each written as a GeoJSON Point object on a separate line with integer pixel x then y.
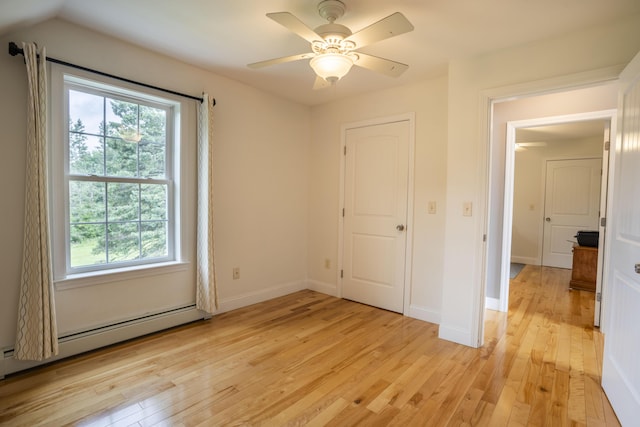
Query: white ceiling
{"type": "Point", "coordinates": [563, 132]}
{"type": "Point", "coordinates": [225, 35]}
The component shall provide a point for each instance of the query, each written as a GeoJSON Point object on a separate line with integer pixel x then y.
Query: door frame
{"type": "Point", "coordinates": [408, 264]}
{"type": "Point", "coordinates": [487, 98]}
{"type": "Point", "coordinates": [507, 221]}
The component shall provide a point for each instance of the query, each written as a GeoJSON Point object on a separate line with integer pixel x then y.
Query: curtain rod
{"type": "Point", "coordinates": [15, 50]}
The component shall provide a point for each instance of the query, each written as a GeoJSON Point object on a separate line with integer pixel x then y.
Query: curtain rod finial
{"type": "Point", "coordinates": [14, 49]}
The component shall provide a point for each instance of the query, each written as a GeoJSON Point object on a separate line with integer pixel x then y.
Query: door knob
{"type": "Point", "coordinates": [638, 268]}
{"type": "Point", "coordinates": [400, 227]}
{"type": "Point", "coordinates": [547, 219]}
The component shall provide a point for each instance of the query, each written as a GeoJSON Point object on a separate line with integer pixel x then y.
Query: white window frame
{"type": "Point", "coordinates": [65, 276]}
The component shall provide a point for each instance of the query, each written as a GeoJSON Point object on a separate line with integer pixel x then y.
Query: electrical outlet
{"type": "Point", "coordinates": [236, 273]}
{"type": "Point", "coordinates": [327, 263]}
{"type": "Point", "coordinates": [431, 207]}
{"type": "Point", "coordinates": [467, 209]}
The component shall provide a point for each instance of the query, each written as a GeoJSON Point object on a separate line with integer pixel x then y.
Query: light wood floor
{"type": "Point", "coordinates": [308, 358]}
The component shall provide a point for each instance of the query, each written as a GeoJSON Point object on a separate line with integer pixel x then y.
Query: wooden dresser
{"type": "Point", "coordinates": [585, 268]}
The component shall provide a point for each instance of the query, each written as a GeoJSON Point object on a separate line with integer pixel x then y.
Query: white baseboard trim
{"type": "Point", "coordinates": [492, 304]}
{"type": "Point", "coordinates": [91, 340]}
{"type": "Point", "coordinates": [457, 335]}
{"type": "Point", "coordinates": [243, 300]}
{"type": "Point", "coordinates": [425, 314]}
{"type": "Point", "coordinates": [322, 287]}
{"type": "Point", "coordinates": [526, 260]}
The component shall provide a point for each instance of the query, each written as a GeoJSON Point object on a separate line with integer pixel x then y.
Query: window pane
{"type": "Point", "coordinates": [88, 245]}
{"type": "Point", "coordinates": [116, 142]}
{"type": "Point", "coordinates": [122, 158]}
{"type": "Point", "coordinates": [123, 202]}
{"type": "Point", "coordinates": [86, 202]}
{"type": "Point", "coordinates": [153, 124]}
{"type": "Point", "coordinates": [122, 120]}
{"type": "Point", "coordinates": [86, 154]}
{"type": "Point", "coordinates": [86, 112]}
{"type": "Point", "coordinates": [154, 239]}
{"type": "Point", "coordinates": [123, 242]}
{"type": "Point", "coordinates": [153, 201]}
{"type": "Point", "coordinates": [152, 160]}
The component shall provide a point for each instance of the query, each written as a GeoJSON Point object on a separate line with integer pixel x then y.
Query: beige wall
{"type": "Point", "coordinates": [429, 102]}
{"type": "Point", "coordinates": [261, 150]}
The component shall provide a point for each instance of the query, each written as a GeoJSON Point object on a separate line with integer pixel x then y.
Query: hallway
{"type": "Point", "coordinates": [548, 355]}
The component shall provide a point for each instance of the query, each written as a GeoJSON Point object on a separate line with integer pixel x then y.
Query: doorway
{"type": "Point", "coordinates": [583, 134]}
{"type": "Point", "coordinates": [535, 110]}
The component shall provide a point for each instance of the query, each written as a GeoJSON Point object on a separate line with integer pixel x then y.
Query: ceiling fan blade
{"type": "Point", "coordinates": [392, 25]}
{"type": "Point", "coordinates": [532, 144]}
{"type": "Point", "coordinates": [292, 23]}
{"type": "Point", "coordinates": [381, 65]}
{"type": "Point", "coordinates": [281, 60]}
{"type": "Point", "coordinates": [320, 83]}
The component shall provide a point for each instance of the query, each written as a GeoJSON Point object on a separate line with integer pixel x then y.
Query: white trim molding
{"type": "Point", "coordinates": [454, 334]}
{"type": "Point", "coordinates": [526, 260]}
{"type": "Point", "coordinates": [249, 298]}
{"type": "Point", "coordinates": [101, 337]}
{"type": "Point", "coordinates": [424, 314]}
{"type": "Point", "coordinates": [322, 287]}
{"type": "Point", "coordinates": [492, 304]}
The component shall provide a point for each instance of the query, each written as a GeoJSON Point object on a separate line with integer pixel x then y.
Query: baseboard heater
{"type": "Point", "coordinates": [80, 342]}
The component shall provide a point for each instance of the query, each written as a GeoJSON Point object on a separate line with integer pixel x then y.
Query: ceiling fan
{"type": "Point", "coordinates": [333, 46]}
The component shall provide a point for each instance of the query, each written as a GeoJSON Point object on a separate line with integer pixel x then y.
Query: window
{"type": "Point", "coordinates": [118, 177]}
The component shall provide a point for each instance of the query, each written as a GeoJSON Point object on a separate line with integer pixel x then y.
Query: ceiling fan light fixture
{"type": "Point", "coordinates": [333, 46]}
{"type": "Point", "coordinates": [331, 66]}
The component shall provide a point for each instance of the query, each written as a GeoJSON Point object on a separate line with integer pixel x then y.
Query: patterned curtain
{"type": "Point", "coordinates": [206, 295]}
{"type": "Point", "coordinates": [37, 335]}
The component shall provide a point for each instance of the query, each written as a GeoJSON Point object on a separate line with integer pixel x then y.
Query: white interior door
{"type": "Point", "coordinates": [572, 203]}
{"type": "Point", "coordinates": [375, 217]}
{"type": "Point", "coordinates": [621, 368]}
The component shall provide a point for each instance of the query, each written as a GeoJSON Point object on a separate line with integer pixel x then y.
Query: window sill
{"type": "Point", "coordinates": [116, 275]}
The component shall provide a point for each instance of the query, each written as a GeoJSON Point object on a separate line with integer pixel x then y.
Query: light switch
{"type": "Point", "coordinates": [467, 209]}
{"type": "Point", "coordinates": [431, 207]}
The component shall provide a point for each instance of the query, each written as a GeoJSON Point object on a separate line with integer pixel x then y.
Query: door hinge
{"type": "Point", "coordinates": [607, 145]}
{"type": "Point", "coordinates": [484, 237]}
{"type": "Point", "coordinates": [343, 212]}
{"type": "Point", "coordinates": [341, 274]}
{"type": "Point", "coordinates": [603, 222]}
{"type": "Point", "coordinates": [345, 150]}
{"type": "Point", "coordinates": [599, 296]}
